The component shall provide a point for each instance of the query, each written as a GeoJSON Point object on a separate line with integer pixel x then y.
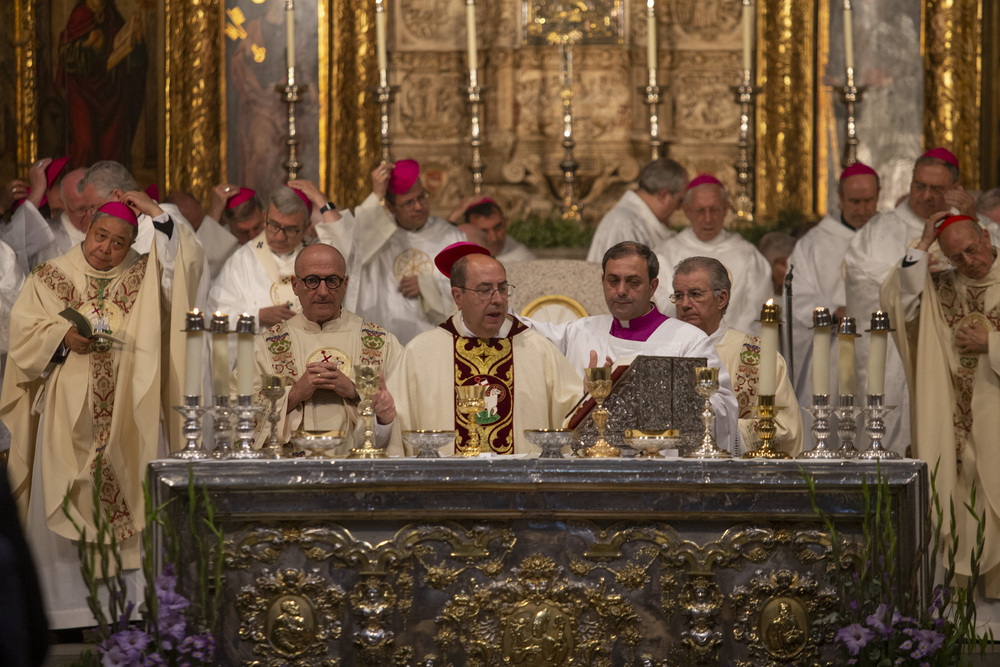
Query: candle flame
{"type": "Point", "coordinates": [195, 311]}
{"type": "Point", "coordinates": [770, 302]}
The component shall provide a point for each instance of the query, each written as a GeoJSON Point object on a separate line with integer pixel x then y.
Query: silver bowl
{"type": "Point", "coordinates": [550, 440]}
{"type": "Point", "coordinates": [427, 443]}
{"type": "Point", "coordinates": [651, 443]}
{"type": "Point", "coordinates": [317, 444]}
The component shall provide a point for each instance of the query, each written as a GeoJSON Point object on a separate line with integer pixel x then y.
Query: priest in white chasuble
{"type": "Point", "coordinates": [701, 293]}
{"type": "Point", "coordinates": [947, 323]}
{"type": "Point", "coordinates": [529, 383]}
{"type": "Point", "coordinates": [68, 398]}
{"type": "Point", "coordinates": [705, 205]}
{"type": "Point", "coordinates": [635, 327]}
{"type": "Point", "coordinates": [391, 249]}
{"type": "Point", "coordinates": [317, 353]}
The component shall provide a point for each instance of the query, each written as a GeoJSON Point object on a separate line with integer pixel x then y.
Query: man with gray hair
{"type": "Point", "coordinates": [257, 278]}
{"type": "Point", "coordinates": [641, 215]}
{"type": "Point", "coordinates": [988, 205]}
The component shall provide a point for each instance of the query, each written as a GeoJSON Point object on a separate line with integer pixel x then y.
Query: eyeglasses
{"type": "Point", "coordinates": [486, 293]}
{"type": "Point", "coordinates": [333, 281]}
{"type": "Point", "coordinates": [696, 295]}
{"type": "Point", "coordinates": [421, 199]}
{"type": "Point", "coordinates": [275, 228]}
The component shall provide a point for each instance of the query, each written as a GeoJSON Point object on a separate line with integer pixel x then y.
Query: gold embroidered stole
{"type": "Point", "coordinates": [745, 379]}
{"type": "Point", "coordinates": [488, 362]}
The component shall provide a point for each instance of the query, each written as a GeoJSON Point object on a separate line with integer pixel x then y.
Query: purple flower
{"type": "Point", "coordinates": [153, 660]}
{"type": "Point", "coordinates": [876, 620]}
{"type": "Point", "coordinates": [132, 641]}
{"type": "Point", "coordinates": [855, 636]}
{"type": "Point", "coordinates": [906, 645]}
{"type": "Point", "coordinates": [116, 656]}
{"type": "Point", "coordinates": [928, 642]}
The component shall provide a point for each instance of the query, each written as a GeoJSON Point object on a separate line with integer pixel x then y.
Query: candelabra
{"type": "Point", "coordinates": [850, 95]}
{"type": "Point", "coordinates": [474, 92]}
{"type": "Point", "coordinates": [652, 92]}
{"type": "Point", "coordinates": [569, 165]}
{"type": "Point", "coordinates": [745, 94]}
{"type": "Point", "coordinates": [821, 411]}
{"type": "Point", "coordinates": [192, 429]}
{"type": "Point", "coordinates": [245, 411]}
{"type": "Point", "coordinates": [292, 95]}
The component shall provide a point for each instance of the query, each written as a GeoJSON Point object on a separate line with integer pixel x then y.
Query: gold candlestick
{"type": "Point", "coordinates": [706, 383]}
{"type": "Point", "coordinates": [471, 401]}
{"type": "Point", "coordinates": [598, 382]}
{"type": "Point", "coordinates": [766, 411]}
{"type": "Point", "coordinates": [366, 382]}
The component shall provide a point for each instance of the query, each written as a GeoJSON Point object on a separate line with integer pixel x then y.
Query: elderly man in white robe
{"type": "Point", "coordinates": [701, 293]}
{"type": "Point", "coordinates": [257, 279]}
{"type": "Point", "coordinates": [878, 247]}
{"type": "Point", "coordinates": [818, 266]}
{"type": "Point", "coordinates": [705, 206]}
{"type": "Point", "coordinates": [483, 222]}
{"type": "Point", "coordinates": [635, 327]}
{"type": "Point", "coordinates": [642, 215]}
{"type": "Point", "coordinates": [947, 322]}
{"type": "Point", "coordinates": [530, 383]}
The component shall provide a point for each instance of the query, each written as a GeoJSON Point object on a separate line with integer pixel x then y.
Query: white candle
{"type": "Point", "coordinates": [195, 328]}
{"type": "Point", "coordinates": [220, 354]}
{"type": "Point", "coordinates": [845, 365]}
{"type": "Point", "coordinates": [470, 27]}
{"type": "Point", "coordinates": [767, 371]}
{"type": "Point", "coordinates": [747, 35]}
{"type": "Point", "coordinates": [821, 360]}
{"type": "Point", "coordinates": [876, 355]}
{"type": "Point", "coordinates": [848, 36]}
{"type": "Point", "coordinates": [651, 39]}
{"type": "Point", "coordinates": [290, 31]}
{"type": "Point", "coordinates": [244, 355]}
{"type": "Point", "coordinates": [380, 48]}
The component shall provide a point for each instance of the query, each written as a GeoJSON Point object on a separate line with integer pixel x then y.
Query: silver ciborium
{"type": "Point", "coordinates": [427, 442]}
{"type": "Point", "coordinates": [706, 383]}
{"type": "Point", "coordinates": [550, 440]}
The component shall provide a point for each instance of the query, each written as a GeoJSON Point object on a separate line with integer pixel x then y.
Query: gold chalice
{"type": "Point", "coordinates": [706, 383]}
{"type": "Point", "coordinates": [471, 401]}
{"type": "Point", "coordinates": [598, 383]}
{"type": "Point", "coordinates": [366, 381]}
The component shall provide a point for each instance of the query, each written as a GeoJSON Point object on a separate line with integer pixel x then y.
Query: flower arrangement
{"type": "Point", "coordinates": [885, 623]}
{"type": "Point", "coordinates": [174, 631]}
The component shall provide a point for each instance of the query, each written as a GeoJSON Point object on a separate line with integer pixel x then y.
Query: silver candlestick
{"type": "Point", "coordinates": [292, 95]}
{"type": "Point", "coordinates": [652, 92]}
{"type": "Point", "coordinates": [569, 165]}
{"type": "Point", "coordinates": [876, 411]}
{"type": "Point", "coordinates": [192, 429]}
{"type": "Point", "coordinates": [821, 411]}
{"type": "Point", "coordinates": [246, 412]}
{"type": "Point", "coordinates": [850, 95]}
{"type": "Point", "coordinates": [273, 388]}
{"type": "Point", "coordinates": [474, 96]}
{"type": "Point", "coordinates": [223, 428]}
{"type": "Point", "coordinates": [847, 427]}
{"type": "Point", "coordinates": [745, 94]}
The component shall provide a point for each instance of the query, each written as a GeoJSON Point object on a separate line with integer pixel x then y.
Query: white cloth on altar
{"type": "Point", "coordinates": [749, 272]}
{"type": "Point", "coordinates": [379, 253]}
{"type": "Point", "coordinates": [729, 343]}
{"type": "Point", "coordinates": [628, 220]}
{"type": "Point", "coordinates": [546, 387]}
{"type": "Point", "coordinates": [245, 284]}
{"type": "Point", "coordinates": [818, 280]}
{"type": "Point", "coordinates": [673, 338]}
{"type": "Point", "coordinates": [514, 251]}
{"type": "Point", "coordinates": [219, 244]}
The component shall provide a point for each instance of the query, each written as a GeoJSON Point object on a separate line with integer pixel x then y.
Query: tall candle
{"type": "Point", "coordinates": [821, 352]}
{"type": "Point", "coordinates": [876, 353]}
{"type": "Point", "coordinates": [845, 362]}
{"type": "Point", "coordinates": [244, 355]}
{"type": "Point", "coordinates": [470, 27]}
{"type": "Point", "coordinates": [651, 39]}
{"type": "Point", "coordinates": [195, 328]}
{"type": "Point", "coordinates": [767, 371]}
{"type": "Point", "coordinates": [220, 354]}
{"type": "Point", "coordinates": [848, 36]}
{"type": "Point", "coordinates": [747, 35]}
{"type": "Point", "coordinates": [290, 31]}
{"type": "Point", "coordinates": [380, 34]}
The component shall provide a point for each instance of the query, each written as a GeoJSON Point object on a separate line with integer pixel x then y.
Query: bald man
{"type": "Point", "coordinates": [317, 351]}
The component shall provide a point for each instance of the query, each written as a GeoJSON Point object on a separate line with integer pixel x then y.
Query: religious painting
{"type": "Point", "coordinates": [256, 113]}
{"type": "Point", "coordinates": [574, 21]}
{"type": "Point", "coordinates": [94, 76]}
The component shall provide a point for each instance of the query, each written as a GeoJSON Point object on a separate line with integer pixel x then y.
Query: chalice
{"type": "Point", "coordinates": [706, 383]}
{"type": "Point", "coordinates": [273, 388]}
{"type": "Point", "coordinates": [471, 401]}
{"type": "Point", "coordinates": [366, 382]}
{"type": "Point", "coordinates": [598, 383]}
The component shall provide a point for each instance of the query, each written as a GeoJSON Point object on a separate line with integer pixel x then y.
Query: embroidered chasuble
{"type": "Point", "coordinates": [489, 363]}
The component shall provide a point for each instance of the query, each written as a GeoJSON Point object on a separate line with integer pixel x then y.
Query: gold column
{"type": "Point", "coordinates": [351, 145]}
{"type": "Point", "coordinates": [193, 96]}
{"type": "Point", "coordinates": [951, 43]}
{"type": "Point", "coordinates": [786, 35]}
{"type": "Point", "coordinates": [27, 77]}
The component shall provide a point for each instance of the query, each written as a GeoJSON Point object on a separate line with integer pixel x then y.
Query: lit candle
{"type": "Point", "coordinates": [876, 354]}
{"type": "Point", "coordinates": [846, 334]}
{"type": "Point", "coordinates": [651, 39]}
{"type": "Point", "coordinates": [767, 371]}
{"type": "Point", "coordinates": [848, 36]}
{"type": "Point", "coordinates": [747, 35]}
{"type": "Point", "coordinates": [821, 351]}
{"type": "Point", "coordinates": [380, 34]}
{"type": "Point", "coordinates": [470, 27]}
{"type": "Point", "coordinates": [220, 354]}
{"type": "Point", "coordinates": [195, 327]}
{"type": "Point", "coordinates": [244, 355]}
{"type": "Point", "coordinates": [290, 31]}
